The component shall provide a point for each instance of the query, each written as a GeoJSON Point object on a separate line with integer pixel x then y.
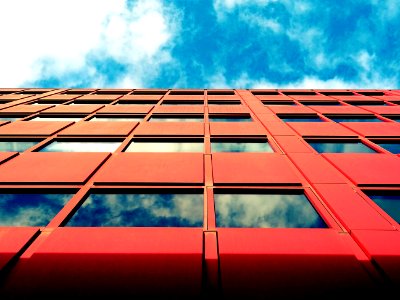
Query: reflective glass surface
{"type": "Point", "coordinates": [368, 103]}
{"type": "Point", "coordinates": [16, 146]}
{"type": "Point", "coordinates": [182, 103]}
{"type": "Point", "coordinates": [176, 119]}
{"type": "Point", "coordinates": [278, 103]}
{"type": "Point", "coordinates": [74, 146]}
{"type": "Point", "coordinates": [394, 118]}
{"type": "Point", "coordinates": [224, 102]}
{"type": "Point", "coordinates": [140, 210]}
{"type": "Point", "coordinates": [355, 119]}
{"type": "Point", "coordinates": [9, 118]}
{"type": "Point", "coordinates": [388, 201]}
{"type": "Point", "coordinates": [266, 211]}
{"type": "Point", "coordinates": [116, 119]}
{"type": "Point", "coordinates": [30, 209]}
{"type": "Point", "coordinates": [341, 147]}
{"type": "Point", "coordinates": [393, 147]}
{"type": "Point", "coordinates": [160, 146]}
{"type": "Point", "coordinates": [238, 146]}
{"type": "Point", "coordinates": [71, 119]}
{"type": "Point", "coordinates": [301, 119]}
{"type": "Point", "coordinates": [230, 119]}
{"type": "Point", "coordinates": [321, 103]}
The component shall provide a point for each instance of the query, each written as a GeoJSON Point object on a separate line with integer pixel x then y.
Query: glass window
{"type": "Point", "coordinates": [238, 145]}
{"type": "Point", "coordinates": [361, 103]}
{"type": "Point", "coordinates": [117, 118]}
{"type": "Point", "coordinates": [266, 210]}
{"type": "Point", "coordinates": [230, 118]}
{"type": "Point", "coordinates": [176, 118]}
{"type": "Point", "coordinates": [389, 201]}
{"type": "Point", "coordinates": [16, 145]}
{"type": "Point", "coordinates": [392, 146]}
{"type": "Point", "coordinates": [354, 118]}
{"type": "Point", "coordinates": [182, 102]}
{"type": "Point", "coordinates": [140, 210]}
{"type": "Point", "coordinates": [301, 118]}
{"type": "Point", "coordinates": [340, 147]}
{"type": "Point", "coordinates": [10, 118]}
{"type": "Point", "coordinates": [279, 103]}
{"type": "Point", "coordinates": [394, 118]}
{"type": "Point", "coordinates": [137, 102]}
{"type": "Point", "coordinates": [81, 146]}
{"type": "Point", "coordinates": [166, 145]}
{"type": "Point", "coordinates": [321, 103]}
{"type": "Point", "coordinates": [44, 118]}
{"type": "Point", "coordinates": [30, 209]}
{"type": "Point", "coordinates": [224, 102]}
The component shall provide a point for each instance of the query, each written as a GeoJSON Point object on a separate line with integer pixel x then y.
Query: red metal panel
{"type": "Point", "coordinates": [100, 128]}
{"type": "Point", "coordinates": [273, 97]}
{"type": "Point", "coordinates": [65, 97]}
{"type": "Point", "coordinates": [13, 240]}
{"type": "Point", "coordinates": [223, 97]}
{"type": "Point", "coordinates": [369, 129]}
{"type": "Point", "coordinates": [384, 110]}
{"type": "Point", "coordinates": [151, 168]}
{"type": "Point", "coordinates": [179, 109]}
{"type": "Point", "coordinates": [236, 129]}
{"type": "Point", "coordinates": [7, 155]}
{"type": "Point", "coordinates": [125, 109]}
{"type": "Point", "coordinates": [293, 144]}
{"type": "Point", "coordinates": [350, 208]}
{"type": "Point", "coordinates": [384, 248]}
{"type": "Point", "coordinates": [170, 128]}
{"type": "Point", "coordinates": [354, 98]}
{"type": "Point", "coordinates": [288, 263]}
{"type": "Point", "coordinates": [316, 169]}
{"type": "Point", "coordinates": [33, 128]}
{"type": "Point", "coordinates": [321, 129]}
{"type": "Point", "coordinates": [26, 108]}
{"type": "Point", "coordinates": [113, 262]}
{"type": "Point", "coordinates": [291, 109]}
{"type": "Point", "coordinates": [278, 128]}
{"type": "Point", "coordinates": [339, 109]}
{"type": "Point", "coordinates": [141, 97]}
{"type": "Point", "coordinates": [311, 97]}
{"type": "Point", "coordinates": [253, 168]}
{"type": "Point", "coordinates": [52, 167]}
{"type": "Point", "coordinates": [228, 109]}
{"type": "Point", "coordinates": [76, 109]}
{"type": "Point", "coordinates": [367, 168]}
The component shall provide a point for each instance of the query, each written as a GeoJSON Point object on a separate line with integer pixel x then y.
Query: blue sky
{"type": "Point", "coordinates": [200, 43]}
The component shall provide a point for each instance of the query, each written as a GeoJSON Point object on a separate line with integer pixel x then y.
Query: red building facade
{"type": "Point", "coordinates": [199, 193]}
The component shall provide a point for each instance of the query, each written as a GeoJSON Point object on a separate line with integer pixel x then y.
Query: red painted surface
{"type": "Point", "coordinates": [359, 253]}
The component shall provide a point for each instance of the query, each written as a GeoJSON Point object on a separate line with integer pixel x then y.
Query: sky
{"type": "Point", "coordinates": [200, 43]}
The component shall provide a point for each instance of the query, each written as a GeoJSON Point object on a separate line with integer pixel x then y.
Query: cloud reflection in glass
{"type": "Point", "coordinates": [140, 210]}
{"type": "Point", "coordinates": [240, 146]}
{"type": "Point", "coordinates": [388, 201]}
{"type": "Point", "coordinates": [16, 146]}
{"type": "Point", "coordinates": [64, 146]}
{"type": "Point", "coordinates": [341, 147]}
{"type": "Point", "coordinates": [266, 211]}
{"type": "Point", "coordinates": [159, 146]}
{"type": "Point", "coordinates": [30, 209]}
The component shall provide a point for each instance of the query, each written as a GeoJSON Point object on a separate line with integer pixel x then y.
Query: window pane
{"type": "Point", "coordinates": [301, 119]}
{"type": "Point", "coordinates": [176, 119]}
{"type": "Point", "coordinates": [60, 146]}
{"type": "Point", "coordinates": [238, 146]}
{"type": "Point", "coordinates": [160, 146]}
{"type": "Point", "coordinates": [389, 201]}
{"type": "Point", "coordinates": [230, 119]}
{"type": "Point", "coordinates": [140, 210]}
{"type": "Point", "coordinates": [16, 146]}
{"type": "Point", "coordinates": [393, 147]}
{"type": "Point", "coordinates": [30, 209]}
{"type": "Point", "coordinates": [318, 103]}
{"type": "Point", "coordinates": [341, 147]}
{"type": "Point", "coordinates": [116, 119]}
{"type": "Point", "coordinates": [266, 211]}
{"type": "Point", "coordinates": [354, 119]}
{"type": "Point", "coordinates": [10, 118]}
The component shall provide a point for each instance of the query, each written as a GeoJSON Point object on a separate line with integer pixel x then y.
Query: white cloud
{"type": "Point", "coordinates": [46, 38]}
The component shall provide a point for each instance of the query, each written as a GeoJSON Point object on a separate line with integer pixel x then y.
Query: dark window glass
{"type": "Point", "coordinates": [354, 119]}
{"type": "Point", "coordinates": [340, 147]}
{"type": "Point", "coordinates": [389, 201]}
{"type": "Point", "coordinates": [140, 210]}
{"type": "Point", "coordinates": [116, 119]}
{"type": "Point", "coordinates": [231, 118]}
{"type": "Point", "coordinates": [220, 92]}
{"type": "Point", "coordinates": [240, 146]}
{"type": "Point", "coordinates": [224, 102]}
{"type": "Point", "coordinates": [336, 93]}
{"type": "Point", "coordinates": [299, 93]}
{"type": "Point", "coordinates": [282, 210]}
{"type": "Point", "coordinates": [167, 145]}
{"type": "Point", "coordinates": [321, 103]}
{"type": "Point", "coordinates": [182, 102]}
{"type": "Point", "coordinates": [279, 103]}
{"type": "Point", "coordinates": [392, 146]}
{"type": "Point", "coordinates": [170, 118]}
{"type": "Point", "coordinates": [394, 118]}
{"type": "Point", "coordinates": [186, 92]}
{"type": "Point", "coordinates": [137, 102]}
{"type": "Point", "coordinates": [372, 93]}
{"type": "Point", "coordinates": [16, 145]}
{"type": "Point", "coordinates": [300, 118]}
{"type": "Point", "coordinates": [265, 93]}
{"type": "Point", "coordinates": [84, 146]}
{"type": "Point", "coordinates": [30, 209]}
{"type": "Point", "coordinates": [362, 103]}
